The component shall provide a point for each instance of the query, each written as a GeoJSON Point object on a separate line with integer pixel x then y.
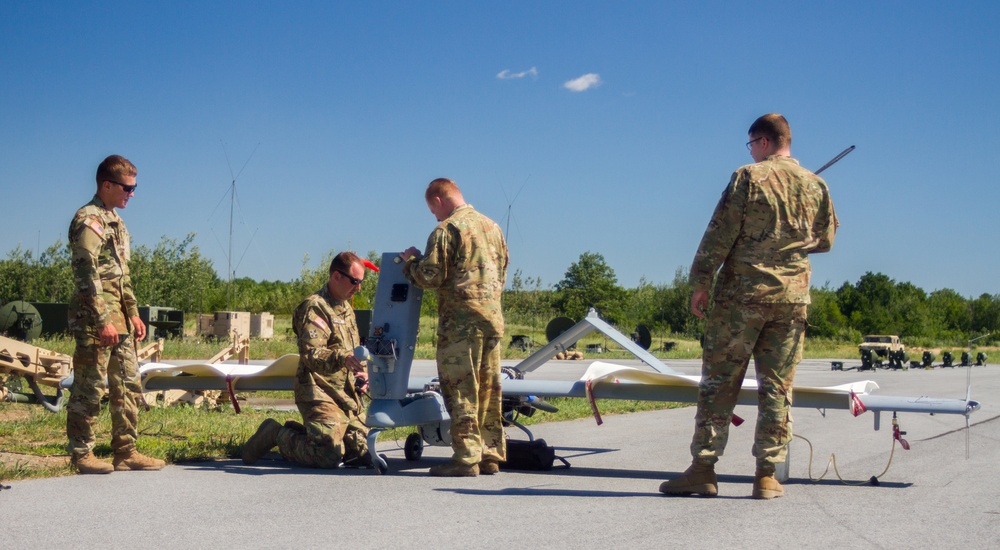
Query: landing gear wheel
{"type": "Point", "coordinates": [381, 466]}
{"type": "Point", "coordinates": [414, 447]}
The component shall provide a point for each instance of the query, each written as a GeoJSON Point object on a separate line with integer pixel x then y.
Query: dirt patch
{"type": "Point", "coordinates": [24, 461]}
{"type": "Point", "coordinates": [32, 462]}
{"type": "Point", "coordinates": [14, 413]}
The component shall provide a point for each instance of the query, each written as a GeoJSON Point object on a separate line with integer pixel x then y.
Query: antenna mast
{"type": "Point", "coordinates": [510, 207]}
{"type": "Point", "coordinates": [232, 206]}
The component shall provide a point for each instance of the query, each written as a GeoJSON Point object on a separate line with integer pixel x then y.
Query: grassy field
{"type": "Point", "coordinates": [32, 441]}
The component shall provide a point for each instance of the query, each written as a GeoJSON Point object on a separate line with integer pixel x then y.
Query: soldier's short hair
{"type": "Point", "coordinates": [774, 127]}
{"type": "Point", "coordinates": [114, 168]}
{"type": "Point", "coordinates": [342, 262]}
{"type": "Point", "coordinates": [441, 187]}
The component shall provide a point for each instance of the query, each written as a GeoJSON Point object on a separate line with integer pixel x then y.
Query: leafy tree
{"type": "Point", "coordinates": [909, 312]}
{"type": "Point", "coordinates": [524, 299]}
{"type": "Point", "coordinates": [313, 278]}
{"type": "Point", "coordinates": [14, 273]}
{"type": "Point", "coordinates": [985, 313]}
{"type": "Point", "coordinates": [675, 306]}
{"type": "Point", "coordinates": [174, 274]}
{"type": "Point", "coordinates": [365, 298]}
{"type": "Point", "coordinates": [825, 317]}
{"type": "Point", "coordinates": [47, 279]}
{"type": "Point", "coordinates": [952, 313]}
{"type": "Point", "coordinates": [53, 281]}
{"type": "Point", "coordinates": [643, 304]}
{"type": "Point", "coordinates": [591, 283]}
{"type": "Point", "coordinates": [866, 305]}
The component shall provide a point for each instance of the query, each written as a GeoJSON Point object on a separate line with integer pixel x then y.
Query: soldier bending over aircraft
{"type": "Point", "coordinates": [466, 262]}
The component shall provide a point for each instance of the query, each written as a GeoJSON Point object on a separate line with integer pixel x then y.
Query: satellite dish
{"type": "Point", "coordinates": [642, 337]}
{"type": "Point", "coordinates": [20, 320]}
{"type": "Point", "coordinates": [558, 326]}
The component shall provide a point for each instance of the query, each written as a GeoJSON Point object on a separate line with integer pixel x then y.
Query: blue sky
{"type": "Point", "coordinates": [609, 127]}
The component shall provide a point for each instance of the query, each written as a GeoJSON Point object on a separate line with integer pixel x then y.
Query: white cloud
{"type": "Point", "coordinates": [507, 75]}
{"type": "Point", "coordinates": [584, 83]}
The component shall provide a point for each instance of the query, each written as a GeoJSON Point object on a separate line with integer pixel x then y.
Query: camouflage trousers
{"type": "Point", "coordinates": [98, 369]}
{"type": "Point", "coordinates": [772, 334]}
{"type": "Point", "coordinates": [331, 436]}
{"type": "Point", "coordinates": [469, 373]}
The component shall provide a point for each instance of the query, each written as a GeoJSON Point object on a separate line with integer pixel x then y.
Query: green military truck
{"type": "Point", "coordinates": [881, 350]}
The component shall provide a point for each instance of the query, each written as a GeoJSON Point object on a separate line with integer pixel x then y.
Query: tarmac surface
{"type": "Point", "coordinates": [932, 496]}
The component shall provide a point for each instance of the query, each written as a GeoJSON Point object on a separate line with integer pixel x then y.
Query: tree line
{"type": "Point", "coordinates": [173, 273]}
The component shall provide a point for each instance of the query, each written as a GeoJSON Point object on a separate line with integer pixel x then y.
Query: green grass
{"type": "Point", "coordinates": [184, 433]}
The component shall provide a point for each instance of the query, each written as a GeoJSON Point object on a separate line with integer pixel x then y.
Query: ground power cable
{"type": "Point", "coordinates": [833, 461]}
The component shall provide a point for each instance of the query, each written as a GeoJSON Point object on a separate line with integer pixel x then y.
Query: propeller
{"type": "Point", "coordinates": [541, 404]}
{"type": "Point", "coordinates": [525, 405]}
{"type": "Point", "coordinates": [970, 405]}
{"type": "Point", "coordinates": [968, 412]}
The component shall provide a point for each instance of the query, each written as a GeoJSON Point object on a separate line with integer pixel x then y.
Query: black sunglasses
{"type": "Point", "coordinates": [126, 188]}
{"type": "Point", "coordinates": [352, 279]}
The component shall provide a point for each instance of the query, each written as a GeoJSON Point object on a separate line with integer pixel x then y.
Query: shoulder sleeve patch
{"type": "Point", "coordinates": [95, 226]}
{"type": "Point", "coordinates": [319, 322]}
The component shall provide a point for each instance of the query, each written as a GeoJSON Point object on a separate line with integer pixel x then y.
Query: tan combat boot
{"type": "Point", "coordinates": [699, 479]}
{"type": "Point", "coordinates": [130, 459]}
{"type": "Point", "coordinates": [455, 469]}
{"type": "Point", "coordinates": [489, 467]}
{"type": "Point", "coordinates": [261, 442]}
{"type": "Point", "coordinates": [90, 464]}
{"type": "Point", "coordinates": [765, 486]}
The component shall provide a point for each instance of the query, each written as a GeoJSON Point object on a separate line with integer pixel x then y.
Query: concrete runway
{"type": "Point", "coordinates": [931, 497]}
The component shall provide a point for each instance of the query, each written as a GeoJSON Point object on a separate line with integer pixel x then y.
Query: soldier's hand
{"type": "Point", "coordinates": [108, 335]}
{"type": "Point", "coordinates": [699, 302]}
{"type": "Point", "coordinates": [411, 252]}
{"type": "Point", "coordinates": [354, 364]}
{"type": "Point", "coordinates": [140, 329]}
{"type": "Point", "coordinates": [361, 380]}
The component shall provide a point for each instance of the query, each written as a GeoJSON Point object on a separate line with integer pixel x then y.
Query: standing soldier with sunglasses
{"type": "Point", "coordinates": [333, 431]}
{"type": "Point", "coordinates": [104, 318]}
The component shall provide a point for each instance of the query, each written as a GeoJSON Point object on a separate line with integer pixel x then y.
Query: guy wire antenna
{"type": "Point", "coordinates": [510, 207]}
{"type": "Point", "coordinates": [232, 206]}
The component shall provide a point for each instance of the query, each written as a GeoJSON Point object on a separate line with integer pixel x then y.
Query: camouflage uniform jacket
{"type": "Point", "coordinates": [327, 333]}
{"type": "Point", "coordinates": [770, 218]}
{"type": "Point", "coordinates": [466, 262]}
{"type": "Point", "coordinates": [102, 287]}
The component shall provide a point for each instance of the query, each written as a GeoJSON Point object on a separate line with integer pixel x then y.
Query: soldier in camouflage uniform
{"type": "Point", "coordinates": [466, 262]}
{"type": "Point", "coordinates": [104, 320]}
{"type": "Point", "coordinates": [773, 214]}
{"type": "Point", "coordinates": [333, 431]}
